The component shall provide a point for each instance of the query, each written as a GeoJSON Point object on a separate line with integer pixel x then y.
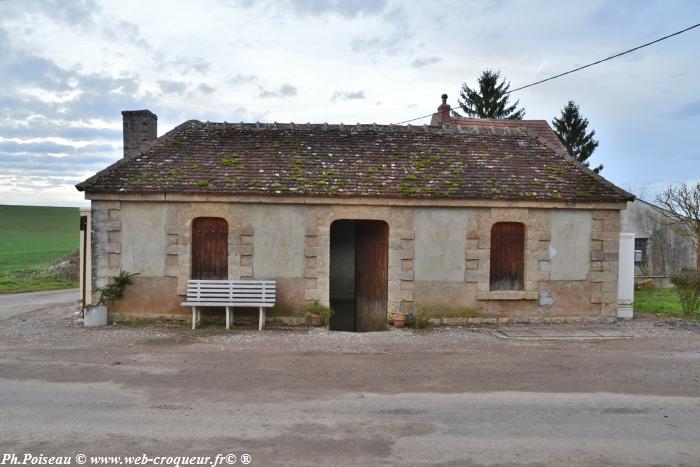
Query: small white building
{"type": "Point", "coordinates": [660, 251]}
{"type": "Point", "coordinates": [492, 217]}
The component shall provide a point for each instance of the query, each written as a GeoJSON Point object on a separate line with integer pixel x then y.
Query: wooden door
{"type": "Point", "coordinates": [371, 275]}
{"type": "Point", "coordinates": [507, 256]}
{"type": "Point", "coordinates": [209, 248]}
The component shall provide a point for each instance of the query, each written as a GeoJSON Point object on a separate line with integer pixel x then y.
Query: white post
{"type": "Point", "coordinates": [86, 257]}
{"type": "Point", "coordinates": [625, 286]}
{"type": "Point", "coordinates": [262, 319]}
{"type": "Point", "coordinates": [228, 318]}
{"type": "Point", "coordinates": [194, 317]}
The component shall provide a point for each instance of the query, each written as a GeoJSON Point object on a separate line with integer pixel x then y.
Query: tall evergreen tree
{"type": "Point", "coordinates": [571, 128]}
{"type": "Point", "coordinates": [490, 100]}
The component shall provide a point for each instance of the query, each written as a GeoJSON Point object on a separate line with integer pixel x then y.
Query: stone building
{"type": "Point", "coordinates": [660, 251]}
{"type": "Point", "coordinates": [463, 219]}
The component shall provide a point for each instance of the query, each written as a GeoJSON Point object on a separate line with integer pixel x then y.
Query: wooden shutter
{"type": "Point", "coordinates": [209, 248]}
{"type": "Point", "coordinates": [507, 256]}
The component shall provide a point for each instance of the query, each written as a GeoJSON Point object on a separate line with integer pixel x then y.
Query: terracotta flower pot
{"type": "Point", "coordinates": [316, 320]}
{"type": "Point", "coordinates": [399, 320]}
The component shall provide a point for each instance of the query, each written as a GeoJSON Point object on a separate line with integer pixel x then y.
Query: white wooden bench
{"type": "Point", "coordinates": [229, 294]}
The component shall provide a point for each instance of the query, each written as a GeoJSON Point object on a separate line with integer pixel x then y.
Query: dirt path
{"type": "Point", "coordinates": [18, 303]}
{"type": "Point", "coordinates": [443, 397]}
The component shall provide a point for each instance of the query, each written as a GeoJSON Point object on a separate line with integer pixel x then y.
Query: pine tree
{"type": "Point", "coordinates": [491, 100]}
{"type": "Point", "coordinates": [571, 128]}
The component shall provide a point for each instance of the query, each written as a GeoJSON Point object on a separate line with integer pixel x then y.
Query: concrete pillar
{"type": "Point", "coordinates": [86, 255]}
{"type": "Point", "coordinates": [625, 289]}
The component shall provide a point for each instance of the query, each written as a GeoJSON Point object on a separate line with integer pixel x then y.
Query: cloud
{"type": "Point", "coordinates": [393, 40]}
{"type": "Point", "coordinates": [287, 90]}
{"type": "Point", "coordinates": [242, 79]}
{"type": "Point", "coordinates": [33, 176]}
{"type": "Point", "coordinates": [347, 95]}
{"type": "Point", "coordinates": [344, 8]}
{"type": "Point", "coordinates": [123, 31]}
{"type": "Point", "coordinates": [425, 61]}
{"type": "Point", "coordinates": [264, 94]}
{"type": "Point", "coordinates": [34, 86]}
{"type": "Point", "coordinates": [75, 13]}
{"type": "Point", "coordinates": [341, 8]}
{"type": "Point", "coordinates": [688, 110]}
{"type": "Point", "coordinates": [205, 88]}
{"type": "Point", "coordinates": [54, 166]}
{"type": "Point", "coordinates": [174, 87]}
{"type": "Point", "coordinates": [284, 91]}
{"type": "Point", "coordinates": [364, 45]}
{"type": "Point", "coordinates": [68, 68]}
{"type": "Point", "coordinates": [185, 65]}
{"type": "Point", "coordinates": [83, 15]}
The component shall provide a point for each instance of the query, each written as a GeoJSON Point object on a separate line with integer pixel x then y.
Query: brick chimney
{"type": "Point", "coordinates": [443, 114]}
{"type": "Point", "coordinates": [140, 126]}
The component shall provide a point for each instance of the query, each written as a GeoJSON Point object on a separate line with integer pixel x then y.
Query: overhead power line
{"type": "Point", "coordinates": [583, 67]}
{"type": "Point", "coordinates": [604, 59]}
{"type": "Point", "coordinates": [414, 119]}
{"type": "Point", "coordinates": [418, 118]}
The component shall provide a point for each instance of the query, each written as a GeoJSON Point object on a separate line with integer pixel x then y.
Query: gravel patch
{"type": "Point", "coordinates": [58, 327]}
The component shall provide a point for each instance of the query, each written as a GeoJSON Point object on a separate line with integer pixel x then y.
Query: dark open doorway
{"type": "Point", "coordinates": [359, 275]}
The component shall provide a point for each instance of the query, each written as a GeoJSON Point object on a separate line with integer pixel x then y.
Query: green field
{"type": "Point", "coordinates": [31, 237]}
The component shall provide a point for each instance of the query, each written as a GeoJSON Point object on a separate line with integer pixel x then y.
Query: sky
{"type": "Point", "coordinates": [68, 69]}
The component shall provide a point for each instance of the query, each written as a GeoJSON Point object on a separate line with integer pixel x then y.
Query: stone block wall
{"type": "Point", "coordinates": [317, 250]}
{"type": "Point", "coordinates": [106, 242]}
{"type": "Point", "coordinates": [546, 293]}
{"type": "Point", "coordinates": [543, 295]}
{"type": "Point", "coordinates": [605, 244]}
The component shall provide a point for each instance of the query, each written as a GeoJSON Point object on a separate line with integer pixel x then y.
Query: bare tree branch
{"type": "Point", "coordinates": [682, 203]}
{"type": "Point", "coordinates": [640, 190]}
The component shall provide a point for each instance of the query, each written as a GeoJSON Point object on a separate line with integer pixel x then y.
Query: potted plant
{"type": "Point", "coordinates": [399, 320]}
{"type": "Point", "coordinates": [317, 314]}
{"type": "Point", "coordinates": [96, 315]}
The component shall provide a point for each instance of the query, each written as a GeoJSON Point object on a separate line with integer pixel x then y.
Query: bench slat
{"type": "Point", "coordinates": [233, 283]}
{"type": "Point", "coordinates": [227, 299]}
{"type": "Point", "coordinates": [230, 286]}
{"type": "Point", "coordinates": [241, 304]}
{"type": "Point", "coordinates": [234, 293]}
{"type": "Point", "coordinates": [229, 294]}
{"type": "Point", "coordinates": [226, 293]}
{"type": "Point", "coordinates": [230, 301]}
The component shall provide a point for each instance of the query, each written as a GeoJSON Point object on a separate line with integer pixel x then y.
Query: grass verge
{"type": "Point", "coordinates": [31, 238]}
{"type": "Point", "coordinates": [32, 280]}
{"type": "Point", "coordinates": [660, 301]}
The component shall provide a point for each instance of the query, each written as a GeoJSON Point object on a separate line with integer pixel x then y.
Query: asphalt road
{"type": "Point", "coordinates": [450, 397]}
{"type": "Point", "coordinates": [18, 303]}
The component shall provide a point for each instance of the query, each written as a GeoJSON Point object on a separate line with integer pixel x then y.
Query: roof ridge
{"type": "Point", "coordinates": [369, 127]}
{"type": "Point", "coordinates": [499, 120]}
